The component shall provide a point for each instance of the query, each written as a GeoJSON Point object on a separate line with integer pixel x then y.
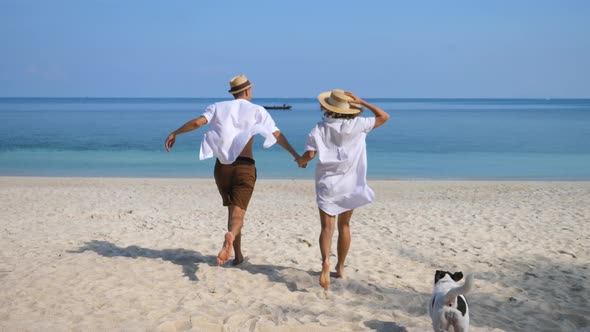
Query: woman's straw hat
{"type": "Point", "coordinates": [338, 102]}
{"type": "Point", "coordinates": [239, 84]}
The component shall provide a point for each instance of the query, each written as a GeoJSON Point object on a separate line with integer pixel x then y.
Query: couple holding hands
{"type": "Point", "coordinates": [341, 170]}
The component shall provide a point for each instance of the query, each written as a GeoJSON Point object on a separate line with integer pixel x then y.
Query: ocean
{"type": "Point", "coordinates": [491, 139]}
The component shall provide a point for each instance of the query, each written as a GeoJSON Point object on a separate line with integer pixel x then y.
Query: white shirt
{"type": "Point", "coordinates": [231, 125]}
{"type": "Point", "coordinates": [341, 170]}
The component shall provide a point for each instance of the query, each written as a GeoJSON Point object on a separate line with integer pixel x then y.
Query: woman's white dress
{"type": "Point", "coordinates": [341, 169]}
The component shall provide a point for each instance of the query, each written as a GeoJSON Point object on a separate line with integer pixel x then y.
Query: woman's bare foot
{"type": "Point", "coordinates": [325, 275]}
{"type": "Point", "coordinates": [226, 250]}
{"type": "Point", "coordinates": [339, 270]}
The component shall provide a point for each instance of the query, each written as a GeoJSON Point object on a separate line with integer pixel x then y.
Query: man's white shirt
{"type": "Point", "coordinates": [231, 125]}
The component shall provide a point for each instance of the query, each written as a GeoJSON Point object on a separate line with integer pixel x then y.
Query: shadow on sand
{"type": "Point", "coordinates": [381, 326]}
{"type": "Point", "coordinates": [189, 261]}
{"type": "Point", "coordinates": [552, 294]}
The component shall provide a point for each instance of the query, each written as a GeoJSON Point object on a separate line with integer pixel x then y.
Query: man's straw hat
{"type": "Point", "coordinates": [239, 84]}
{"type": "Point", "coordinates": [338, 102]}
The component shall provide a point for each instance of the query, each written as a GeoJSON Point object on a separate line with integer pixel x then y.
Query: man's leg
{"type": "Point", "coordinates": [327, 222]}
{"type": "Point", "coordinates": [343, 241]}
{"type": "Point", "coordinates": [233, 236]}
{"type": "Point", "coordinates": [235, 223]}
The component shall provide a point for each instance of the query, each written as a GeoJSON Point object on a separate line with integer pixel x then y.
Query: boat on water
{"type": "Point", "coordinates": [278, 107]}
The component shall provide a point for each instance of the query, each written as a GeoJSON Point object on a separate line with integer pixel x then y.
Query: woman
{"type": "Point", "coordinates": [341, 170]}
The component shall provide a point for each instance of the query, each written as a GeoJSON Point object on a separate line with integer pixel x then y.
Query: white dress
{"type": "Point", "coordinates": [341, 169]}
{"type": "Point", "coordinates": [231, 125]}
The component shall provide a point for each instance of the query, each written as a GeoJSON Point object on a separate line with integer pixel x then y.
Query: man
{"type": "Point", "coordinates": [233, 125]}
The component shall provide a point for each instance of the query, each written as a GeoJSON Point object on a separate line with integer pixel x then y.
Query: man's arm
{"type": "Point", "coordinates": [306, 157]}
{"type": "Point", "coordinates": [282, 141]}
{"type": "Point", "coordinates": [189, 126]}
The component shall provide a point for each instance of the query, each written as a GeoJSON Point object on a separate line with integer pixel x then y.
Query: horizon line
{"type": "Point", "coordinates": [223, 98]}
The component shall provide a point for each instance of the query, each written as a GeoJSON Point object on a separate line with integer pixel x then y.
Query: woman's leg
{"type": "Point", "coordinates": [343, 241]}
{"type": "Point", "coordinates": [327, 222]}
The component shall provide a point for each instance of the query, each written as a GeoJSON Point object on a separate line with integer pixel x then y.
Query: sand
{"type": "Point", "coordinates": [85, 254]}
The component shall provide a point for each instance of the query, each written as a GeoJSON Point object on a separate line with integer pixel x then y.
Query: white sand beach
{"type": "Point", "coordinates": [94, 254]}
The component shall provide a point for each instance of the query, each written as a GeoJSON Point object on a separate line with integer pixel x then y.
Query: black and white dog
{"type": "Point", "coordinates": [448, 307]}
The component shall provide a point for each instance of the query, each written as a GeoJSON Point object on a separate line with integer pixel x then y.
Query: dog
{"type": "Point", "coordinates": [448, 308]}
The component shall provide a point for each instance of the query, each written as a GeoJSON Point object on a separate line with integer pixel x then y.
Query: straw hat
{"type": "Point", "coordinates": [238, 84]}
{"type": "Point", "coordinates": [338, 102]}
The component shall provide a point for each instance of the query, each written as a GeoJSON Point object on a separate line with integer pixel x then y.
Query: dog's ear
{"type": "Point", "coordinates": [457, 276]}
{"type": "Point", "coordinates": [439, 275]}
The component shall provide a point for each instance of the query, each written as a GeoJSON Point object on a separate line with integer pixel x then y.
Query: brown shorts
{"type": "Point", "coordinates": [235, 181]}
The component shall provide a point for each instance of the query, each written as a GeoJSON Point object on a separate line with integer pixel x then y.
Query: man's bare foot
{"type": "Point", "coordinates": [226, 250]}
{"type": "Point", "coordinates": [325, 275]}
{"type": "Point", "coordinates": [238, 260]}
{"type": "Point", "coordinates": [339, 271]}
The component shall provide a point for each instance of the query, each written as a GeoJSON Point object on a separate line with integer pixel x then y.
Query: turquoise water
{"type": "Point", "coordinates": [424, 139]}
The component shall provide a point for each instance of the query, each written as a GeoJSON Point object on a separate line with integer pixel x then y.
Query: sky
{"type": "Point", "coordinates": [381, 48]}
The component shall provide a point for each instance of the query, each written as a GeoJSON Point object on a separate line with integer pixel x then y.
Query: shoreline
{"type": "Point", "coordinates": [483, 180]}
{"type": "Point", "coordinates": [139, 254]}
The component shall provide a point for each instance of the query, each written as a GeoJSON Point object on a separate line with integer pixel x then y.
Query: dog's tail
{"type": "Point", "coordinates": [461, 290]}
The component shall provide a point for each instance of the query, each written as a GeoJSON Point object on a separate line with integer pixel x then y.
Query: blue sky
{"type": "Point", "coordinates": [142, 48]}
